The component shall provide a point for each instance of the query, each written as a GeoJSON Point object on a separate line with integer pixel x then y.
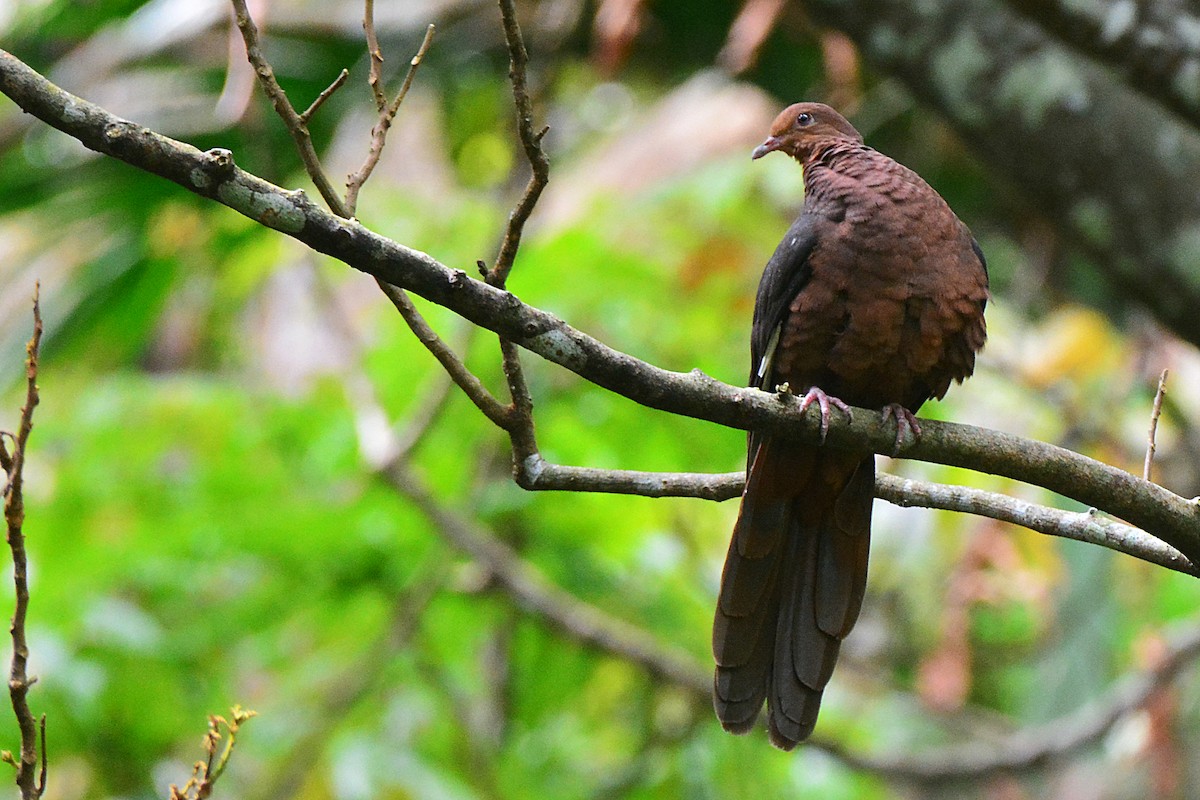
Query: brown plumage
{"type": "Point", "coordinates": [874, 298]}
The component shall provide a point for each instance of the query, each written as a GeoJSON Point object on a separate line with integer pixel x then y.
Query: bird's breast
{"type": "Point", "coordinates": [894, 288]}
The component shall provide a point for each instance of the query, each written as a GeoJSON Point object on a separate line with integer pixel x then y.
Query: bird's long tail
{"type": "Point", "coordinates": [792, 585]}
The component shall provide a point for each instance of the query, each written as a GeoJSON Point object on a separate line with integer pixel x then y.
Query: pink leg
{"type": "Point", "coordinates": [907, 426]}
{"type": "Point", "coordinates": [823, 401]}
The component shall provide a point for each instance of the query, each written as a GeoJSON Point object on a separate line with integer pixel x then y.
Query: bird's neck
{"type": "Point", "coordinates": [826, 153]}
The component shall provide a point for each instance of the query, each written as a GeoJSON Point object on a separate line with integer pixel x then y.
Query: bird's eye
{"type": "Point", "coordinates": [805, 119]}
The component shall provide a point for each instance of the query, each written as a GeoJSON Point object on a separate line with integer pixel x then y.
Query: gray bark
{"type": "Point", "coordinates": [1111, 168]}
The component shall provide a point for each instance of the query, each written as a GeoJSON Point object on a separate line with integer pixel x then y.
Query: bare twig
{"type": "Point", "coordinates": [387, 111]}
{"type": "Point", "coordinates": [375, 74]}
{"type": "Point", "coordinates": [338, 82]}
{"type": "Point", "coordinates": [283, 107]}
{"type": "Point", "coordinates": [531, 142]}
{"type": "Point", "coordinates": [521, 433]}
{"type": "Point", "coordinates": [30, 780]}
{"type": "Point", "coordinates": [1154, 415]}
{"type": "Point", "coordinates": [296, 125]}
{"type": "Point", "coordinates": [206, 773]}
{"type": "Point", "coordinates": [521, 430]}
{"type": "Point", "coordinates": [1082, 526]}
{"type": "Point", "coordinates": [474, 389]}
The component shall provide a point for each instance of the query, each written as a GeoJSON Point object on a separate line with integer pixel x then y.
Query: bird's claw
{"type": "Point", "coordinates": [823, 401]}
{"type": "Point", "coordinates": [907, 426]}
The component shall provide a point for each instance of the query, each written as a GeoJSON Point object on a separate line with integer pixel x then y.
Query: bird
{"type": "Point", "coordinates": [874, 298]}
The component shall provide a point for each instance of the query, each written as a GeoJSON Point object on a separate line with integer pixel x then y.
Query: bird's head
{"type": "Point", "coordinates": [800, 126]}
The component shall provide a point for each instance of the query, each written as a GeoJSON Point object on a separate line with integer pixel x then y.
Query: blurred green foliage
{"type": "Point", "coordinates": [204, 531]}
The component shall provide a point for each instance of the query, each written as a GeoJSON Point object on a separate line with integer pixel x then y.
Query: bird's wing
{"type": "Point", "coordinates": [785, 275]}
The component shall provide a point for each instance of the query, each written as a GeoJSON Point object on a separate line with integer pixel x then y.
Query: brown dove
{"type": "Point", "coordinates": [874, 298]}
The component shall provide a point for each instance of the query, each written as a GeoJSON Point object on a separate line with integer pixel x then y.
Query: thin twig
{"type": "Point", "coordinates": [283, 107]}
{"type": "Point", "coordinates": [474, 389]}
{"type": "Point", "coordinates": [41, 782]}
{"type": "Point", "coordinates": [1154, 414]}
{"type": "Point", "coordinates": [1082, 526]}
{"type": "Point", "coordinates": [338, 82]}
{"type": "Point", "coordinates": [412, 70]}
{"type": "Point", "coordinates": [375, 73]}
{"type": "Point", "coordinates": [387, 111]}
{"type": "Point", "coordinates": [19, 681]}
{"type": "Point", "coordinates": [537, 474]}
{"type": "Point", "coordinates": [521, 431]}
{"type": "Point", "coordinates": [531, 142]}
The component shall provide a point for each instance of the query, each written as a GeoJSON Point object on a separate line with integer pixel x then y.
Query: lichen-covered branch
{"type": "Point", "coordinates": [1167, 516]}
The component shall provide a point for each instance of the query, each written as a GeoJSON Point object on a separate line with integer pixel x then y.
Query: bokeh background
{"type": "Point", "coordinates": [204, 529]}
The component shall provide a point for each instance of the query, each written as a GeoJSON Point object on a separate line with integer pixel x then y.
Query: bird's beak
{"type": "Point", "coordinates": [771, 144]}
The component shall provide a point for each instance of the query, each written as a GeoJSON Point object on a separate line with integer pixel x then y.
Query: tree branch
{"type": "Point", "coordinates": [471, 386]}
{"type": "Point", "coordinates": [1087, 526]}
{"type": "Point", "coordinates": [31, 785]}
{"type": "Point", "coordinates": [346, 207]}
{"type": "Point", "coordinates": [530, 141]}
{"type": "Point", "coordinates": [215, 176]}
{"type": "Point", "coordinates": [325, 94]}
{"type": "Point", "coordinates": [294, 122]}
{"type": "Point", "coordinates": [1021, 750]}
{"type": "Point", "coordinates": [387, 111]}
{"type": "Point", "coordinates": [521, 430]}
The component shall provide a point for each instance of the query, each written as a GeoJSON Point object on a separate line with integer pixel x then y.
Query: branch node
{"type": "Point", "coordinates": [219, 161]}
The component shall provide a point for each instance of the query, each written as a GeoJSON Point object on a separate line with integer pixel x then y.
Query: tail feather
{"type": "Point", "coordinates": [804, 656]}
{"type": "Point", "coordinates": [792, 586]}
{"type": "Point", "coordinates": [739, 692]}
{"type": "Point", "coordinates": [841, 575]}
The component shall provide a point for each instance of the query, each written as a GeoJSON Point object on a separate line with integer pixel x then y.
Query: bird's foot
{"type": "Point", "coordinates": [823, 401]}
{"type": "Point", "coordinates": [907, 427]}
